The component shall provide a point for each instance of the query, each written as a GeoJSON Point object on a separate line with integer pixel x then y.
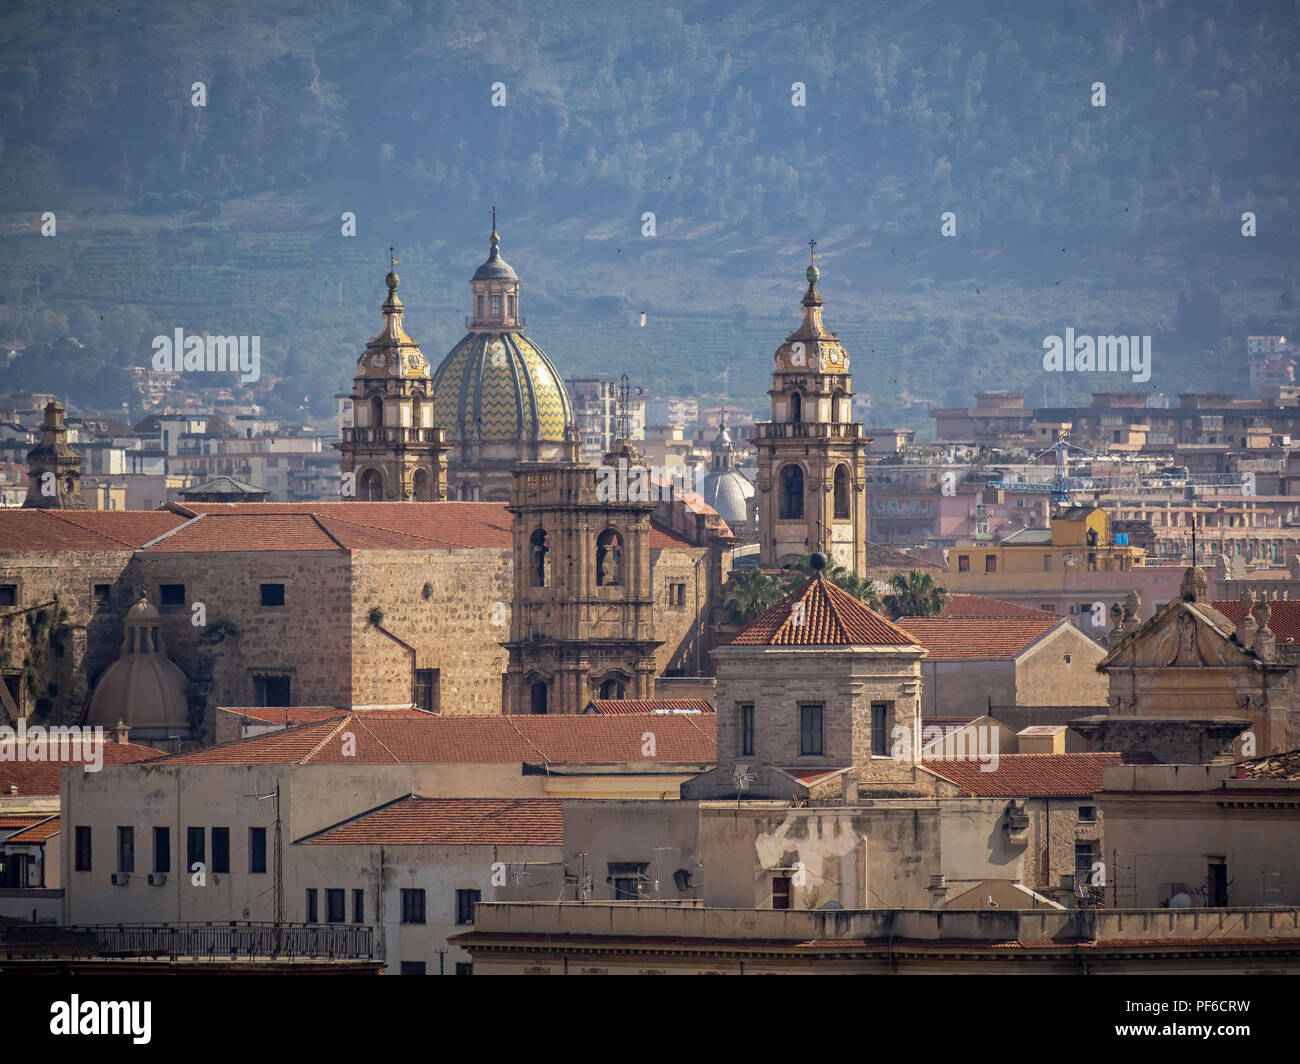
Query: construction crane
{"type": "Point", "coordinates": [1063, 487]}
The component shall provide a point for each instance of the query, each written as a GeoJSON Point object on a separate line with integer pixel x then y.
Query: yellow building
{"type": "Point", "coordinates": [1079, 539]}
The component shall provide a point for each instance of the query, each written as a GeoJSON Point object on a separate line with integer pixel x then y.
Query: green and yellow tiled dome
{"type": "Point", "coordinates": [500, 387]}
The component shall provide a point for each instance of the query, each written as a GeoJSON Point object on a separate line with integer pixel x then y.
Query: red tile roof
{"type": "Point", "coordinates": [1284, 618]}
{"type": "Point", "coordinates": [42, 777]}
{"type": "Point", "coordinates": [821, 614]}
{"type": "Point", "coordinates": [289, 716]}
{"type": "Point", "coordinates": [383, 737]}
{"type": "Point", "coordinates": [963, 605]}
{"type": "Point", "coordinates": [82, 529]}
{"type": "Point", "coordinates": [1029, 775]}
{"type": "Point", "coordinates": [482, 525]}
{"type": "Point", "coordinates": [38, 832]}
{"type": "Point", "coordinates": [17, 821]}
{"type": "Point", "coordinates": [415, 821]}
{"type": "Point", "coordinates": [950, 638]}
{"type": "Point", "coordinates": [612, 707]}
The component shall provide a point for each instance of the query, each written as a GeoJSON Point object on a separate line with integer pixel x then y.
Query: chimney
{"type": "Point", "coordinates": [121, 733]}
{"type": "Point", "coordinates": [850, 787]}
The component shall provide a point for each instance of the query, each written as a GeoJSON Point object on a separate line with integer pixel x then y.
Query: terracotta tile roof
{"type": "Point", "coordinates": [82, 529]}
{"type": "Point", "coordinates": [382, 737]}
{"type": "Point", "coordinates": [17, 821]}
{"type": "Point", "coordinates": [610, 707]}
{"type": "Point", "coordinates": [1284, 619]}
{"type": "Point", "coordinates": [412, 525]}
{"type": "Point", "coordinates": [1029, 775]}
{"type": "Point", "coordinates": [42, 777]}
{"type": "Point", "coordinates": [963, 605]}
{"type": "Point", "coordinates": [38, 832]}
{"type": "Point", "coordinates": [890, 560]}
{"type": "Point", "coordinates": [1285, 766]}
{"type": "Point", "coordinates": [415, 821]}
{"type": "Point", "coordinates": [950, 638]}
{"type": "Point", "coordinates": [810, 776]}
{"type": "Point", "coordinates": [946, 722]}
{"type": "Point", "coordinates": [820, 614]}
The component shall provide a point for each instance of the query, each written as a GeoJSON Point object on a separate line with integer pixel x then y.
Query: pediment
{"type": "Point", "coordinates": [1180, 636]}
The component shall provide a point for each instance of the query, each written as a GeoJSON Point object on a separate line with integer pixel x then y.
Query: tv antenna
{"type": "Point", "coordinates": [743, 776]}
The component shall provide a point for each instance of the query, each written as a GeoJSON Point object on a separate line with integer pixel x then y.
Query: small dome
{"type": "Point", "coordinates": [143, 688]}
{"type": "Point", "coordinates": [729, 493]}
{"type": "Point", "coordinates": [813, 274]}
{"type": "Point", "coordinates": [496, 268]}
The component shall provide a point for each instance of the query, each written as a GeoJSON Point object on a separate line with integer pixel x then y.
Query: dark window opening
{"type": "Point", "coordinates": [272, 594]}
{"type": "Point", "coordinates": [810, 729]}
{"type": "Point", "coordinates": [196, 848]}
{"type": "Point", "coordinates": [426, 690]}
{"type": "Point", "coordinates": [465, 902]}
{"type": "Point", "coordinates": [879, 737]}
{"type": "Point", "coordinates": [780, 892]}
{"type": "Point", "coordinates": [843, 489]}
{"type": "Point", "coordinates": [537, 697]}
{"type": "Point", "coordinates": [335, 906]}
{"type": "Point", "coordinates": [358, 906]}
{"type": "Point", "coordinates": [220, 849]}
{"type": "Point", "coordinates": [312, 915]}
{"type": "Point", "coordinates": [126, 849]}
{"type": "Point", "coordinates": [271, 691]}
{"type": "Point", "coordinates": [791, 498]}
{"type": "Point", "coordinates": [171, 595]}
{"type": "Point", "coordinates": [539, 564]}
{"type": "Point", "coordinates": [162, 850]}
{"type": "Point", "coordinates": [609, 558]}
{"type": "Point", "coordinates": [256, 850]}
{"type": "Point", "coordinates": [412, 906]}
{"type": "Point", "coordinates": [82, 859]}
{"type": "Point", "coordinates": [747, 729]}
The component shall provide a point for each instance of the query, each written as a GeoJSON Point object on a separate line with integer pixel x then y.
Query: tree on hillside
{"type": "Point", "coordinates": [914, 595]}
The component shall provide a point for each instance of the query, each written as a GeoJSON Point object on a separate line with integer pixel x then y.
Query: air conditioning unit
{"type": "Point", "coordinates": [120, 878]}
{"type": "Point", "coordinates": [157, 879]}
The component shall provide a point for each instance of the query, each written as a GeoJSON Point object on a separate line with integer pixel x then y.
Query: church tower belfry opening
{"type": "Point", "coordinates": [812, 479]}
{"type": "Point", "coordinates": [54, 467]}
{"type": "Point", "coordinates": [393, 451]}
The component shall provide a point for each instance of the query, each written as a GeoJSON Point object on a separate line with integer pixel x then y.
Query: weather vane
{"type": "Point", "coordinates": [812, 251]}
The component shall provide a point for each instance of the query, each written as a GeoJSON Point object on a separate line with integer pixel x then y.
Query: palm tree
{"type": "Point", "coordinates": [750, 594]}
{"type": "Point", "coordinates": [861, 588]}
{"type": "Point", "coordinates": [914, 595]}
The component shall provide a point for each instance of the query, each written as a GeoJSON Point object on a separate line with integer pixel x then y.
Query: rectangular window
{"type": "Point", "coordinates": [272, 594]}
{"type": "Point", "coordinates": [963, 563]}
{"type": "Point", "coordinates": [257, 850]}
{"type": "Point", "coordinates": [464, 968]}
{"type": "Point", "coordinates": [162, 849]}
{"type": "Point", "coordinates": [102, 592]}
{"type": "Point", "coordinates": [879, 735]}
{"type": "Point", "coordinates": [496, 306]}
{"type": "Point", "coordinates": [747, 729]}
{"type": "Point", "coordinates": [480, 306]}
{"type": "Point", "coordinates": [627, 888]}
{"type": "Point", "coordinates": [126, 849]}
{"type": "Point", "coordinates": [426, 690]}
{"type": "Point", "coordinates": [677, 595]}
{"type": "Point", "coordinates": [780, 892]}
{"type": "Point", "coordinates": [221, 849]}
{"type": "Point", "coordinates": [358, 906]}
{"type": "Point", "coordinates": [335, 906]}
{"type": "Point", "coordinates": [196, 848]}
{"type": "Point", "coordinates": [810, 729]}
{"type": "Point", "coordinates": [412, 906]}
{"type": "Point", "coordinates": [465, 902]}
{"type": "Point", "coordinates": [82, 860]}
{"type": "Point", "coordinates": [510, 305]}
{"type": "Point", "coordinates": [1087, 814]}
{"type": "Point", "coordinates": [1083, 862]}
{"type": "Point", "coordinates": [312, 914]}
{"type": "Point", "coordinates": [171, 594]}
{"type": "Point", "coordinates": [8, 594]}
{"type": "Point", "coordinates": [1047, 563]}
{"type": "Point", "coordinates": [269, 691]}
{"type": "Point", "coordinates": [990, 563]}
{"type": "Point", "coordinates": [416, 967]}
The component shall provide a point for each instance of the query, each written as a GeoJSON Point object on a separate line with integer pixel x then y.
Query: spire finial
{"type": "Point", "coordinates": [812, 273]}
{"type": "Point", "coordinates": [391, 279]}
{"type": "Point", "coordinates": [495, 240]}
{"type": "Point", "coordinates": [812, 251]}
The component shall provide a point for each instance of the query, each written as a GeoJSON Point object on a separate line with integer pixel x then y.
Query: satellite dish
{"type": "Point", "coordinates": [832, 905]}
{"type": "Point", "coordinates": [1180, 901]}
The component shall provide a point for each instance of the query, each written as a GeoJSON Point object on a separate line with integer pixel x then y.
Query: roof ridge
{"type": "Point", "coordinates": [546, 760]}
{"type": "Point", "coordinates": [333, 538]}
{"type": "Point", "coordinates": [833, 604]}
{"type": "Point", "coordinates": [317, 748]}
{"type": "Point", "coordinates": [376, 738]}
{"type": "Point", "coordinates": [184, 524]}
{"type": "Point", "coordinates": [364, 813]}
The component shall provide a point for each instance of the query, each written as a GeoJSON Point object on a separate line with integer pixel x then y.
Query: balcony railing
{"type": "Point", "coordinates": [776, 430]}
{"type": "Point", "coordinates": [392, 435]}
{"type": "Point", "coordinates": [229, 941]}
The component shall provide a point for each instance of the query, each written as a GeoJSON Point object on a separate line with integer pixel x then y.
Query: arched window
{"type": "Point", "coordinates": [791, 493]}
{"type": "Point", "coordinates": [843, 489]}
{"type": "Point", "coordinates": [423, 485]}
{"type": "Point", "coordinates": [839, 406]}
{"type": "Point", "coordinates": [609, 558]}
{"type": "Point", "coordinates": [371, 488]}
{"type": "Point", "coordinates": [537, 697]}
{"type": "Point", "coordinates": [796, 408]}
{"type": "Point", "coordinates": [377, 416]}
{"type": "Point", "coordinates": [539, 555]}
{"type": "Point", "coordinates": [612, 688]}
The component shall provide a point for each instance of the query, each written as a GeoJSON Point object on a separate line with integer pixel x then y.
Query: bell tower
{"type": "Point", "coordinates": [54, 467]}
{"type": "Point", "coordinates": [582, 622]}
{"type": "Point", "coordinates": [393, 452]}
{"type": "Point", "coordinates": [812, 457]}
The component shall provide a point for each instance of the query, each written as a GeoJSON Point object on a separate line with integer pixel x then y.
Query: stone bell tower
{"type": "Point", "coordinates": [54, 467]}
{"type": "Point", "coordinates": [393, 452]}
{"type": "Point", "coordinates": [582, 623]}
{"type": "Point", "coordinates": [812, 457]}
